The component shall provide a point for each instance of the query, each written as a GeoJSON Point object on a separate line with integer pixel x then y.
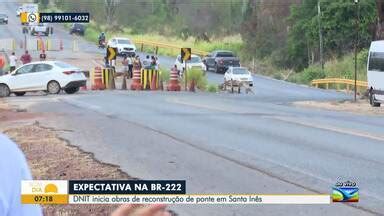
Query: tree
{"type": "Point", "coordinates": [379, 34]}
{"type": "Point", "coordinates": [110, 11]}
{"type": "Point", "coordinates": [338, 25]}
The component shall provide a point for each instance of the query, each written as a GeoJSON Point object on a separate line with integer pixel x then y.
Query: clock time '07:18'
{"type": "Point", "coordinates": [40, 199]}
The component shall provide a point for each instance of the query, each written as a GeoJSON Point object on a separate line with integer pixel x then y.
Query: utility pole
{"type": "Point", "coordinates": [356, 43]}
{"type": "Point", "coordinates": [320, 36]}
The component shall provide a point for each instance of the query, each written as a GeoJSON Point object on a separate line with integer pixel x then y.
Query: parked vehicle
{"type": "Point", "coordinates": [124, 46]}
{"type": "Point", "coordinates": [375, 73]}
{"type": "Point", "coordinates": [238, 75]}
{"type": "Point", "coordinates": [39, 29]}
{"type": "Point", "coordinates": [220, 60]}
{"type": "Point", "coordinates": [49, 76]}
{"type": "Point", "coordinates": [77, 28]}
{"type": "Point", "coordinates": [3, 18]}
{"type": "Point", "coordinates": [195, 62]}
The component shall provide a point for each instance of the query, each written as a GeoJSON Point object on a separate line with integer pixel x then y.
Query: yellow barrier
{"type": "Point", "coordinates": [108, 78]}
{"type": "Point", "coordinates": [337, 81]}
{"type": "Point", "coordinates": [158, 45]}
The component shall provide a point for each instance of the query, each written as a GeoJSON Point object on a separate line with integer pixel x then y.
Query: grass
{"type": "Point", "coordinates": [196, 75]}
{"type": "Point", "coordinates": [233, 43]}
{"type": "Point", "coordinates": [334, 68]}
{"type": "Point", "coordinates": [213, 88]}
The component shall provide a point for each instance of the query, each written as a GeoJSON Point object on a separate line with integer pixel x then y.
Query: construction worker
{"type": "Point", "coordinates": [26, 58]}
{"type": "Point", "coordinates": [137, 63]}
{"type": "Point", "coordinates": [43, 56]}
{"type": "Point", "coordinates": [130, 66]}
{"type": "Point", "coordinates": [147, 62]}
{"type": "Point", "coordinates": [125, 66]}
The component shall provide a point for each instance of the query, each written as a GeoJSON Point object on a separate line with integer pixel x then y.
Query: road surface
{"type": "Point", "coordinates": [223, 143]}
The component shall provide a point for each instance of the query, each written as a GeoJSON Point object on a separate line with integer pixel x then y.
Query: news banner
{"type": "Point", "coordinates": [162, 192]}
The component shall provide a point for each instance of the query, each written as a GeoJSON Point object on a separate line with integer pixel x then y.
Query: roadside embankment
{"type": "Point", "coordinates": [360, 107]}
{"type": "Point", "coordinates": [51, 157]}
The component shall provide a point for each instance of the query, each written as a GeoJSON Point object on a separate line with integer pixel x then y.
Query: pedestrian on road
{"type": "Point", "coordinates": [26, 58]}
{"type": "Point", "coordinates": [137, 63]}
{"type": "Point", "coordinates": [130, 66]}
{"type": "Point", "coordinates": [153, 62]}
{"type": "Point", "coordinates": [12, 62]}
{"type": "Point", "coordinates": [106, 62]}
{"type": "Point", "coordinates": [147, 62]}
{"type": "Point", "coordinates": [13, 169]}
{"type": "Point", "coordinates": [125, 66]}
{"type": "Point", "coordinates": [157, 63]}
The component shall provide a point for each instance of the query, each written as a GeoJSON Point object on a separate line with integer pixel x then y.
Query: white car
{"type": "Point", "coordinates": [239, 75]}
{"type": "Point", "coordinates": [194, 62]}
{"type": "Point", "coordinates": [124, 46]}
{"type": "Point", "coordinates": [49, 76]}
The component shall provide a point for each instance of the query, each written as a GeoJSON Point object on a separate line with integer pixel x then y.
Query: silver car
{"type": "Point", "coordinates": [3, 18]}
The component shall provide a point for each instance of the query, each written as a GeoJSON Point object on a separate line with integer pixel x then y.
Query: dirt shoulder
{"type": "Point", "coordinates": [51, 157]}
{"type": "Point", "coordinates": [360, 107]}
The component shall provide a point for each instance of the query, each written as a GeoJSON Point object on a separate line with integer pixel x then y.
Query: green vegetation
{"type": "Point", "coordinates": [213, 88]}
{"type": "Point", "coordinates": [164, 74]}
{"type": "Point", "coordinates": [196, 75]}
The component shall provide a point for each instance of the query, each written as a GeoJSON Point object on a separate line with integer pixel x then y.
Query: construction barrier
{"type": "Point", "coordinates": [136, 80]}
{"type": "Point", "coordinates": [174, 84]}
{"type": "Point", "coordinates": [150, 79]}
{"type": "Point", "coordinates": [157, 45]}
{"type": "Point", "coordinates": [348, 83]}
{"type": "Point", "coordinates": [8, 44]}
{"type": "Point", "coordinates": [97, 79]}
{"type": "Point", "coordinates": [109, 78]}
{"type": "Point", "coordinates": [75, 46]}
{"type": "Point", "coordinates": [33, 44]}
{"type": "Point", "coordinates": [53, 44]}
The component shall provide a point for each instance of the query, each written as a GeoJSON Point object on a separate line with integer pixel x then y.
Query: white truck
{"type": "Point", "coordinates": [375, 73]}
{"type": "Point", "coordinates": [39, 29]}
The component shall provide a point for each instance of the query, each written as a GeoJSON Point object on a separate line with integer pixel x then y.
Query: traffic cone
{"type": "Point", "coordinates": [136, 80]}
{"type": "Point", "coordinates": [173, 84]}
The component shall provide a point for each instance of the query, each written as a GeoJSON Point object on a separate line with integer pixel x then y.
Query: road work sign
{"type": "Point", "coordinates": [186, 54]}
{"type": "Point", "coordinates": [111, 53]}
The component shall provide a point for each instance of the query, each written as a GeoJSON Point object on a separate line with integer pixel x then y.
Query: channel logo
{"type": "Point", "coordinates": [345, 192]}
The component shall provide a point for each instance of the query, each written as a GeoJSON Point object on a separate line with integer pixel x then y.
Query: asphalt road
{"type": "Point", "coordinates": [223, 143]}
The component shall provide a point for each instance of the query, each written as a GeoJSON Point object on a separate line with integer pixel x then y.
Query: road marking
{"type": "Point", "coordinates": [331, 128]}
{"type": "Point", "coordinates": [289, 120]}
{"type": "Point", "coordinates": [203, 106]}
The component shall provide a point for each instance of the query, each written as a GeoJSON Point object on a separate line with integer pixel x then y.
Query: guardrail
{"type": "Point", "coordinates": [348, 83]}
{"type": "Point", "coordinates": [158, 45]}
